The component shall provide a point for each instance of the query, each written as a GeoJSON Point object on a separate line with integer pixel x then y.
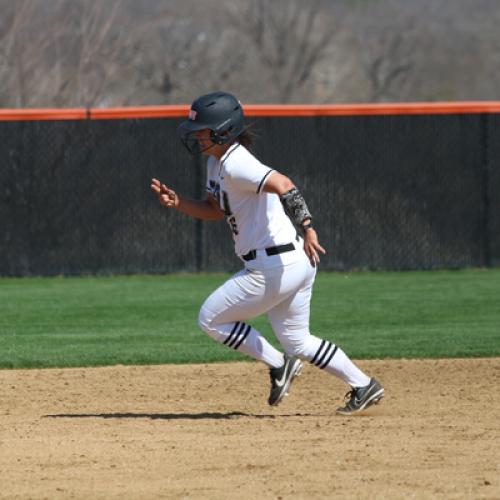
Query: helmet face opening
{"type": "Point", "coordinates": [219, 112]}
{"type": "Point", "coordinates": [193, 144]}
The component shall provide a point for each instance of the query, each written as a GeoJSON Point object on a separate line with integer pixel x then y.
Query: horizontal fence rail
{"type": "Point", "coordinates": [181, 110]}
{"type": "Point", "coordinates": [391, 186]}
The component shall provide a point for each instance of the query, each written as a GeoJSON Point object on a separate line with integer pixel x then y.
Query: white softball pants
{"type": "Point", "coordinates": [281, 286]}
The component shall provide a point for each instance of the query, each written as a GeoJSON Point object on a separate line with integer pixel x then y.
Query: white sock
{"type": "Point", "coordinates": [256, 346]}
{"type": "Point", "coordinates": [341, 366]}
{"type": "Point", "coordinates": [246, 339]}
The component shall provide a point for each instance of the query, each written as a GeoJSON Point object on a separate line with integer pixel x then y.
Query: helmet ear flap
{"type": "Point", "coordinates": [214, 137]}
{"type": "Point", "coordinates": [220, 138]}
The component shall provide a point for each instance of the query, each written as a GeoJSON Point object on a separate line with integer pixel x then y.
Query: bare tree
{"type": "Point", "coordinates": [59, 54]}
{"type": "Point", "coordinates": [177, 61]}
{"type": "Point", "coordinates": [388, 64]}
{"type": "Point", "coordinates": [17, 53]}
{"type": "Point", "coordinates": [288, 38]}
{"type": "Point", "coordinates": [88, 45]}
{"type": "Point", "coordinates": [126, 52]}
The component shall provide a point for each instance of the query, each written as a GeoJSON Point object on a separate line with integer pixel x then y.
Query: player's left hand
{"type": "Point", "coordinates": [312, 248]}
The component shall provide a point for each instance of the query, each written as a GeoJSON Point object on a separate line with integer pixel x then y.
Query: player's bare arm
{"type": "Point", "coordinates": [282, 186]}
{"type": "Point", "coordinates": [207, 209]}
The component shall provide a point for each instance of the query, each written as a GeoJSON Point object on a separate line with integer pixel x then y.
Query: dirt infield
{"type": "Point", "coordinates": [205, 431]}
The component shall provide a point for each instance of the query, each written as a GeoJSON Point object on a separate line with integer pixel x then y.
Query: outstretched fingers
{"type": "Point", "coordinates": [313, 255]}
{"type": "Point", "coordinates": [312, 248]}
{"type": "Point", "coordinates": [156, 185]}
{"type": "Point", "coordinates": [319, 248]}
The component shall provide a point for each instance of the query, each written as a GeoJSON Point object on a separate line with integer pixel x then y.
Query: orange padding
{"type": "Point", "coordinates": [175, 111]}
{"type": "Point", "coordinates": [43, 114]}
{"type": "Point", "coordinates": [418, 108]}
{"type": "Point", "coordinates": [181, 110]}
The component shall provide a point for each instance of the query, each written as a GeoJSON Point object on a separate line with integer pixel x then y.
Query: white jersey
{"type": "Point", "coordinates": [257, 219]}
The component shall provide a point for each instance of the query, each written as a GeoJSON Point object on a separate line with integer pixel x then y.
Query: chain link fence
{"type": "Point", "coordinates": [387, 192]}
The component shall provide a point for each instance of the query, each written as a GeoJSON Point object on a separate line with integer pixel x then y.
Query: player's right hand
{"type": "Point", "coordinates": [312, 248]}
{"type": "Point", "coordinates": [166, 196]}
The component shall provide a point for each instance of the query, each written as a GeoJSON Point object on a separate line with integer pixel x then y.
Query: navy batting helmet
{"type": "Point", "coordinates": [220, 112]}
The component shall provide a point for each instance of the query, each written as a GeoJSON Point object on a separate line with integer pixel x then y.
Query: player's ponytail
{"type": "Point", "coordinates": [247, 137]}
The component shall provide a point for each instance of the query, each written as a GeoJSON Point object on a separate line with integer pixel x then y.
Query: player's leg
{"type": "Point", "coordinates": [224, 312]}
{"type": "Point", "coordinates": [290, 321]}
{"type": "Point", "coordinates": [244, 296]}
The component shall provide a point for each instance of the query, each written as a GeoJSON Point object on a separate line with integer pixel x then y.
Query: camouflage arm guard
{"type": "Point", "coordinates": [295, 206]}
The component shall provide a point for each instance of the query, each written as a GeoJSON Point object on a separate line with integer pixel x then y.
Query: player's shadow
{"type": "Point", "coordinates": [177, 416]}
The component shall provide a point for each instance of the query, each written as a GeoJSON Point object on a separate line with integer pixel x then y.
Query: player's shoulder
{"type": "Point", "coordinates": [237, 157]}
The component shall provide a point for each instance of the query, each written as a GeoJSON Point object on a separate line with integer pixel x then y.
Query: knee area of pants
{"type": "Point", "coordinates": [298, 349]}
{"type": "Point", "coordinates": [205, 321]}
{"type": "Point", "coordinates": [304, 349]}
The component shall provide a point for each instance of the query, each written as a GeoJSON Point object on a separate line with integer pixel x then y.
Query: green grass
{"type": "Point", "coordinates": [153, 319]}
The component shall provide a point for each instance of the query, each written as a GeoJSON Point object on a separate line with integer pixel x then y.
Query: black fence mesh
{"type": "Point", "coordinates": [387, 192]}
{"type": "Point", "coordinates": [492, 189]}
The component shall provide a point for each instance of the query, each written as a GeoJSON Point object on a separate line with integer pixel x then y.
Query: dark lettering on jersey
{"type": "Point", "coordinates": [231, 220]}
{"type": "Point", "coordinates": [225, 204]}
{"type": "Point", "coordinates": [223, 201]}
{"type": "Point", "coordinates": [215, 190]}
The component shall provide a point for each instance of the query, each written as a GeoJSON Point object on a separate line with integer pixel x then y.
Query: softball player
{"type": "Point", "coordinates": [278, 246]}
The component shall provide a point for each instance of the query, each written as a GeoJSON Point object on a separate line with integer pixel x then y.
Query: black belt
{"type": "Point", "coordinates": [269, 251]}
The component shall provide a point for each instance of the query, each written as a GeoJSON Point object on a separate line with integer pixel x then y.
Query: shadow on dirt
{"type": "Point", "coordinates": [177, 416]}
